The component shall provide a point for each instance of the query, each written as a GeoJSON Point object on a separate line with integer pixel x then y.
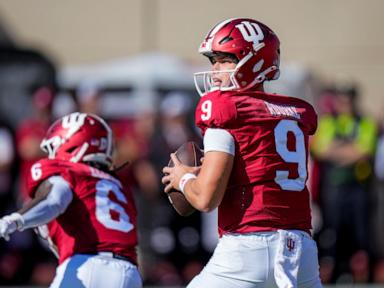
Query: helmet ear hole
{"type": "Point", "coordinates": [225, 40]}
{"type": "Point", "coordinates": [70, 150]}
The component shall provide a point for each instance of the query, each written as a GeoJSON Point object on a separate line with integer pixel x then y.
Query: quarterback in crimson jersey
{"type": "Point", "coordinates": [255, 164]}
{"type": "Point", "coordinates": [271, 136]}
{"type": "Point", "coordinates": [90, 216]}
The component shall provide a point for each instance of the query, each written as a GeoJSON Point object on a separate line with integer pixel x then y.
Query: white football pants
{"type": "Point", "coordinates": [262, 260]}
{"type": "Point", "coordinates": [96, 271]}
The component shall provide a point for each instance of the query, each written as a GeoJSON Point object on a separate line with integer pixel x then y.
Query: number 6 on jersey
{"type": "Point", "coordinates": [104, 205]}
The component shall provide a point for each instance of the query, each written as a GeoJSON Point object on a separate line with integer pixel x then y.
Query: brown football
{"type": "Point", "coordinates": [189, 154]}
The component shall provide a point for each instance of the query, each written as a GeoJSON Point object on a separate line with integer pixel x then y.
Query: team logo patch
{"type": "Point", "coordinates": [290, 244]}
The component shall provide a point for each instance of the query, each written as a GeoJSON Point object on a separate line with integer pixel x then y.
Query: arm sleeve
{"type": "Point", "coordinates": [52, 206]}
{"type": "Point", "coordinates": [219, 140]}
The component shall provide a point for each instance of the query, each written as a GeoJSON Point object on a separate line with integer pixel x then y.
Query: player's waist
{"type": "Point", "coordinates": [114, 256]}
{"type": "Point", "coordinates": [257, 221]}
{"type": "Point", "coordinates": [259, 231]}
{"type": "Point", "coordinates": [267, 234]}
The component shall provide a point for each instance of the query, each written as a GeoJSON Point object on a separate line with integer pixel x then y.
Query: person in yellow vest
{"type": "Point", "coordinates": [344, 145]}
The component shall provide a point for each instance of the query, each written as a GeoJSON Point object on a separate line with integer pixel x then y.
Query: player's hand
{"type": "Point", "coordinates": [8, 225]}
{"type": "Point", "coordinates": [173, 174]}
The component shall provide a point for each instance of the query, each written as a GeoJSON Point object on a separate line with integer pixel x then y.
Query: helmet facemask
{"type": "Point", "coordinates": [51, 145]}
{"type": "Point", "coordinates": [204, 81]}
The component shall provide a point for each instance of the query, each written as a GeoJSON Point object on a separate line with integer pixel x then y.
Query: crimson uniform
{"type": "Point", "coordinates": [266, 190]}
{"type": "Point", "coordinates": [101, 216]}
{"type": "Point", "coordinates": [91, 217]}
{"type": "Point", "coordinates": [264, 215]}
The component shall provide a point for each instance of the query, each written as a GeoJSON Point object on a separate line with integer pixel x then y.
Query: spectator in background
{"type": "Point", "coordinates": [175, 109]}
{"type": "Point", "coordinates": [379, 156]}
{"type": "Point", "coordinates": [7, 161]}
{"type": "Point", "coordinates": [174, 126]}
{"type": "Point", "coordinates": [132, 142]}
{"type": "Point", "coordinates": [174, 242]}
{"type": "Point", "coordinates": [344, 144]}
{"type": "Point", "coordinates": [88, 97]}
{"type": "Point", "coordinates": [31, 131]}
{"type": "Point", "coordinates": [377, 207]}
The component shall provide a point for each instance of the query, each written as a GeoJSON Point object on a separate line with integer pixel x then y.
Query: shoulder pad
{"type": "Point", "coordinates": [40, 171]}
{"type": "Point", "coordinates": [215, 110]}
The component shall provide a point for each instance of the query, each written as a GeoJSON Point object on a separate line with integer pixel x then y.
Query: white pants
{"type": "Point", "coordinates": [96, 271]}
{"type": "Point", "coordinates": [265, 259]}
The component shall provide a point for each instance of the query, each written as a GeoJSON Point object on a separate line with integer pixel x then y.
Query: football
{"type": "Point", "coordinates": [189, 154]}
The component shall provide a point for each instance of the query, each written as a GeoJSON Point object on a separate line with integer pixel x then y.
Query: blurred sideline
{"type": "Point", "coordinates": [325, 286]}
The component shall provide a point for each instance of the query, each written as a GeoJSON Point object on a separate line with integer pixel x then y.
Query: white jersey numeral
{"type": "Point", "coordinates": [206, 108]}
{"type": "Point", "coordinates": [104, 205]}
{"type": "Point", "coordinates": [36, 171]}
{"type": "Point", "coordinates": [297, 156]}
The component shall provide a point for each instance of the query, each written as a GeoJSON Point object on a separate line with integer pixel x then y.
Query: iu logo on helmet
{"type": "Point", "coordinates": [73, 122]}
{"type": "Point", "coordinates": [252, 33]}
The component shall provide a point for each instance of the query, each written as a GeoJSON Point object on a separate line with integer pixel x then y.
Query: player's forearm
{"type": "Point", "coordinates": [42, 213]}
{"type": "Point", "coordinates": [47, 208]}
{"type": "Point", "coordinates": [203, 196]}
{"type": "Point", "coordinates": [207, 190]}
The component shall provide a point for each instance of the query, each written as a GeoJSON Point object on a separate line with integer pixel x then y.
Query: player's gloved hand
{"type": "Point", "coordinates": [9, 224]}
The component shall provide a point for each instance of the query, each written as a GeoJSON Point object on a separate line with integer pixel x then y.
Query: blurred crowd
{"type": "Point", "coordinates": [346, 181]}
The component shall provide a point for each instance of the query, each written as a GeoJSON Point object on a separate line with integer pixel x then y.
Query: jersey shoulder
{"type": "Point", "coordinates": [292, 107]}
{"type": "Point", "coordinates": [73, 173]}
{"type": "Point", "coordinates": [215, 110]}
{"type": "Point", "coordinates": [42, 170]}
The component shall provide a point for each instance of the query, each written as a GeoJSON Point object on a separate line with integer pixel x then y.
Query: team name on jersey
{"type": "Point", "coordinates": [282, 110]}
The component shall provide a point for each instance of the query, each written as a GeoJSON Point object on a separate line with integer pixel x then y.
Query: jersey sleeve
{"type": "Point", "coordinates": [42, 170]}
{"type": "Point", "coordinates": [308, 116]}
{"type": "Point", "coordinates": [215, 110]}
{"type": "Point", "coordinates": [216, 139]}
{"type": "Point", "coordinates": [312, 120]}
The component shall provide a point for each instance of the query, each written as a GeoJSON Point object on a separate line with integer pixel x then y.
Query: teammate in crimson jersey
{"type": "Point", "coordinates": [90, 216]}
{"type": "Point", "coordinates": [255, 164]}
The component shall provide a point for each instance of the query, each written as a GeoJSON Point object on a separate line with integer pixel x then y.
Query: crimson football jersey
{"type": "Point", "coordinates": [101, 216]}
{"type": "Point", "coordinates": [267, 187]}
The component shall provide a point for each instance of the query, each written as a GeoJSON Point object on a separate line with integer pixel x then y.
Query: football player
{"type": "Point", "coordinates": [255, 164]}
{"type": "Point", "coordinates": [91, 217]}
